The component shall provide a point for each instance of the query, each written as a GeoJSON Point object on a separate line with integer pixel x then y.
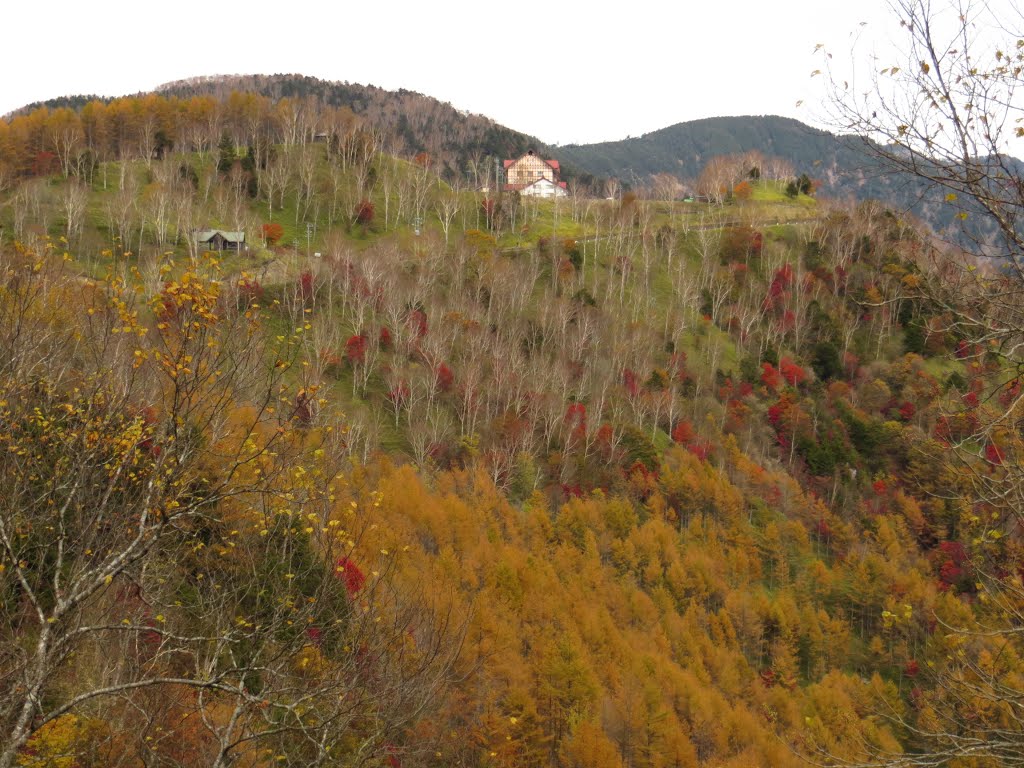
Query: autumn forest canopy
{"type": "Point", "coordinates": [320, 448]}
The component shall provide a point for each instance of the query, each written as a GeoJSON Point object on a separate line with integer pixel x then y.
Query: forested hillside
{"type": "Point", "coordinates": [419, 477]}
{"type": "Point", "coordinates": [407, 122]}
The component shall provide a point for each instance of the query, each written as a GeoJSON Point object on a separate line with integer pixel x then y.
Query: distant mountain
{"type": "Point", "coordinates": [75, 102]}
{"type": "Point", "coordinates": [684, 148]}
{"type": "Point", "coordinates": [843, 166]}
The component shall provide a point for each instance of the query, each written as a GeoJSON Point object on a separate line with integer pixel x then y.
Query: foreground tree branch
{"type": "Point", "coordinates": [171, 531]}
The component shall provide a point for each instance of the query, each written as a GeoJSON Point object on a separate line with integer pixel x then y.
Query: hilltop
{"type": "Point", "coordinates": [410, 121]}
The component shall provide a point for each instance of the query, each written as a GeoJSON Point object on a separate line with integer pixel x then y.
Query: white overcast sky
{"type": "Point", "coordinates": [565, 71]}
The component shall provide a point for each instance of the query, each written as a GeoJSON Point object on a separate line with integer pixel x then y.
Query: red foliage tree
{"type": "Point", "coordinates": [791, 372]}
{"type": "Point", "coordinates": [781, 282]}
{"type": "Point", "coordinates": [44, 164]}
{"type": "Point", "coordinates": [770, 377]}
{"type": "Point", "coordinates": [777, 413]}
{"type": "Point", "coordinates": [576, 419]}
{"type": "Point", "coordinates": [702, 449]}
{"type": "Point", "coordinates": [953, 565]}
{"type": "Point", "coordinates": [365, 212]}
{"type": "Point", "coordinates": [272, 232]}
{"type": "Point", "coordinates": [574, 491]}
{"type": "Point", "coordinates": [993, 454]}
{"type": "Point", "coordinates": [445, 377]}
{"type": "Point", "coordinates": [306, 285]}
{"type": "Point", "coordinates": [355, 349]}
{"type": "Point", "coordinates": [351, 575]}
{"type": "Point", "coordinates": [683, 433]}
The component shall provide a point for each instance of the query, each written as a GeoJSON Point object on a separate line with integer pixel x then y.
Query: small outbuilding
{"type": "Point", "coordinates": [220, 239]}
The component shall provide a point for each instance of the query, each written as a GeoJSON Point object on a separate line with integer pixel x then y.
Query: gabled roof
{"type": "Point", "coordinates": [206, 235]}
{"type": "Point", "coordinates": [553, 164]}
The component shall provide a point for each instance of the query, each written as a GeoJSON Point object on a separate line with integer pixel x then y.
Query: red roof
{"type": "Point", "coordinates": [508, 163]}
